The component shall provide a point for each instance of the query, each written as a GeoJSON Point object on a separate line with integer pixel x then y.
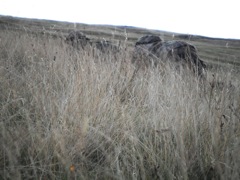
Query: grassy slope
{"type": "Point", "coordinates": [212, 50]}
{"type": "Point", "coordinates": [67, 114]}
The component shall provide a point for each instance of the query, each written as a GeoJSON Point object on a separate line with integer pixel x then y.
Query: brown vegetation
{"type": "Point", "coordinates": [68, 114]}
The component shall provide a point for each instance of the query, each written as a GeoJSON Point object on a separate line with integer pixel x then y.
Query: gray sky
{"type": "Point", "coordinates": [213, 18]}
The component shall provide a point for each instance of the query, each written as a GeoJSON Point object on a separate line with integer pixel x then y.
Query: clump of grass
{"type": "Point", "coordinates": [81, 114]}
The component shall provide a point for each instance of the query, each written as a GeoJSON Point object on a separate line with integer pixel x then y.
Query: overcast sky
{"type": "Point", "coordinates": [213, 18]}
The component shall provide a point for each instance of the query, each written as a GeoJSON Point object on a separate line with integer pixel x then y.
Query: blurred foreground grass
{"type": "Point", "coordinates": [68, 114]}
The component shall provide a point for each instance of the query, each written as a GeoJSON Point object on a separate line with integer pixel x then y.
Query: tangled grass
{"type": "Point", "coordinates": [87, 115]}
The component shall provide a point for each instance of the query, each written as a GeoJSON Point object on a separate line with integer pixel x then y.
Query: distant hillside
{"type": "Point", "coordinates": [212, 50]}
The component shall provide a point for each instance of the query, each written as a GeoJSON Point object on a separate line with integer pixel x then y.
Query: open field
{"type": "Point", "coordinates": [213, 50]}
{"type": "Point", "coordinates": [67, 114]}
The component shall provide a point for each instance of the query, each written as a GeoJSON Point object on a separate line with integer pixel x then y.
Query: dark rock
{"type": "Point", "coordinates": [148, 39]}
{"type": "Point", "coordinates": [77, 39]}
{"type": "Point", "coordinates": [150, 50]}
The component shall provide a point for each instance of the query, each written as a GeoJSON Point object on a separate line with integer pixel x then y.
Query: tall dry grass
{"type": "Point", "coordinates": [66, 114]}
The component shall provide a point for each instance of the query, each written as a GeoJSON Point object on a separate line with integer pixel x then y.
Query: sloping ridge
{"type": "Point", "coordinates": [212, 50]}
